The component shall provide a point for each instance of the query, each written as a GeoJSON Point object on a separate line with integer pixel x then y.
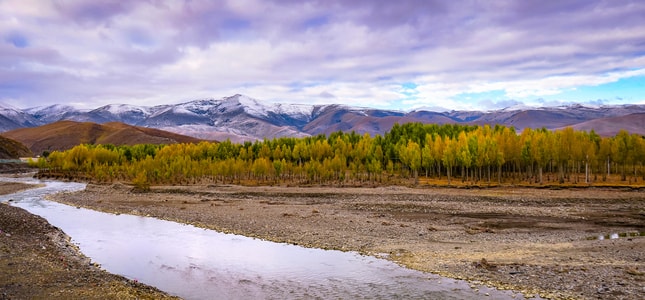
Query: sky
{"type": "Point", "coordinates": [403, 55]}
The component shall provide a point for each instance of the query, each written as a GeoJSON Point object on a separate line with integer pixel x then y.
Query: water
{"type": "Point", "coordinates": [195, 263]}
{"type": "Point", "coordinates": [616, 235]}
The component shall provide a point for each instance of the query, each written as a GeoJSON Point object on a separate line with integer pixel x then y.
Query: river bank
{"type": "Point", "coordinates": [535, 241]}
{"type": "Point", "coordinates": [37, 261]}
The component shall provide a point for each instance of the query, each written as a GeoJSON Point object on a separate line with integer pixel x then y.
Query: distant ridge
{"type": "Point", "coordinates": [65, 135]}
{"type": "Point", "coordinates": [241, 118]}
{"type": "Point", "coordinates": [633, 123]}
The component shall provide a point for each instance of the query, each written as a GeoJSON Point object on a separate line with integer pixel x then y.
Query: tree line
{"type": "Point", "coordinates": [471, 154]}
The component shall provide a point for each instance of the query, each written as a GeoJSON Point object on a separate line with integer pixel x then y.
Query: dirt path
{"type": "Point", "coordinates": [37, 261]}
{"type": "Point", "coordinates": [532, 240]}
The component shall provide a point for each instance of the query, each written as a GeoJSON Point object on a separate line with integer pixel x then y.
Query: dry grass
{"type": "Point", "coordinates": [613, 180]}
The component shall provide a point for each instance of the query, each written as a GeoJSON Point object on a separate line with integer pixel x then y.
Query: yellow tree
{"type": "Point", "coordinates": [526, 140]}
{"type": "Point", "coordinates": [541, 150]}
{"type": "Point", "coordinates": [639, 153]}
{"type": "Point", "coordinates": [141, 181]}
{"type": "Point", "coordinates": [300, 152]}
{"type": "Point", "coordinates": [605, 155]}
{"type": "Point", "coordinates": [262, 168]}
{"type": "Point", "coordinates": [78, 156]}
{"type": "Point", "coordinates": [497, 158]}
{"type": "Point", "coordinates": [464, 157]}
{"type": "Point", "coordinates": [449, 156]}
{"type": "Point", "coordinates": [437, 151]}
{"type": "Point", "coordinates": [509, 144]}
{"type": "Point", "coordinates": [411, 157]}
{"type": "Point", "coordinates": [427, 159]}
{"type": "Point", "coordinates": [564, 147]}
{"type": "Point", "coordinates": [623, 147]}
{"type": "Point", "coordinates": [587, 151]}
{"type": "Point", "coordinates": [374, 169]}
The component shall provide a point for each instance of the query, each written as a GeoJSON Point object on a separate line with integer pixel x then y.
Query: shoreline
{"type": "Point", "coordinates": [39, 261]}
{"type": "Point", "coordinates": [527, 240]}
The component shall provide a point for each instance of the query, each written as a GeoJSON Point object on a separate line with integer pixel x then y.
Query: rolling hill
{"type": "Point", "coordinates": [12, 149]}
{"type": "Point", "coordinates": [633, 123]}
{"type": "Point", "coordinates": [64, 135]}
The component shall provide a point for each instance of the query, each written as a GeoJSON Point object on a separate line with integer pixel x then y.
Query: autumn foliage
{"type": "Point", "coordinates": [409, 153]}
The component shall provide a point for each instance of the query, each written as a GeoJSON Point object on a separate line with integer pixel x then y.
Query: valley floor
{"type": "Point", "coordinates": [537, 241]}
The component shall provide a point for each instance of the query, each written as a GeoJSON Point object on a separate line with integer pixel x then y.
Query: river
{"type": "Point", "coordinates": [196, 263]}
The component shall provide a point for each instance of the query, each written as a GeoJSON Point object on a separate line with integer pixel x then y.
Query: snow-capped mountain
{"type": "Point", "coordinates": [51, 113]}
{"type": "Point", "coordinates": [12, 118]}
{"type": "Point", "coordinates": [241, 118]}
{"type": "Point", "coordinates": [238, 118]}
{"type": "Point", "coordinates": [129, 114]}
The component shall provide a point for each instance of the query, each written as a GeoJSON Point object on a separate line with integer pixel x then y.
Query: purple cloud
{"type": "Point", "coordinates": [93, 13]}
{"type": "Point", "coordinates": [358, 51]}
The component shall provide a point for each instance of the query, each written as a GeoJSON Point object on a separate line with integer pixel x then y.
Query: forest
{"type": "Point", "coordinates": [411, 153]}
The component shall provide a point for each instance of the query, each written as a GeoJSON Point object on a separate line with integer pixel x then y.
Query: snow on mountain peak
{"type": "Point", "coordinates": [294, 109]}
{"type": "Point", "coordinates": [516, 107]}
{"type": "Point", "coordinates": [51, 109]}
{"type": "Point", "coordinates": [252, 106]}
{"type": "Point", "coordinates": [259, 109]}
{"type": "Point", "coordinates": [120, 109]}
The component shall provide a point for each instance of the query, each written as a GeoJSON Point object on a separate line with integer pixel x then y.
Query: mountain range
{"type": "Point", "coordinates": [241, 118]}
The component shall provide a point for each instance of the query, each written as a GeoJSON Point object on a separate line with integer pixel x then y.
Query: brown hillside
{"type": "Point", "coordinates": [360, 123]}
{"type": "Point", "coordinates": [64, 135]}
{"type": "Point", "coordinates": [633, 123]}
{"type": "Point", "coordinates": [532, 119]}
{"type": "Point", "coordinates": [11, 149]}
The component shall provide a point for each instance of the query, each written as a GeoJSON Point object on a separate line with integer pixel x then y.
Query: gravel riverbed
{"type": "Point", "coordinates": [537, 241]}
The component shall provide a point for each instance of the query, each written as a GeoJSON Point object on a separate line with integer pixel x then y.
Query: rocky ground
{"type": "Point", "coordinates": [15, 168]}
{"type": "Point", "coordinates": [538, 241]}
{"type": "Point", "coordinates": [37, 261]}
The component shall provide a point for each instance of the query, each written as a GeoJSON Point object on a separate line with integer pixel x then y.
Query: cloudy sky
{"type": "Point", "coordinates": [388, 54]}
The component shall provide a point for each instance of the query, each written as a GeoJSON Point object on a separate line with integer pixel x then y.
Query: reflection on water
{"type": "Point", "coordinates": [196, 263]}
{"type": "Point", "coordinates": [613, 236]}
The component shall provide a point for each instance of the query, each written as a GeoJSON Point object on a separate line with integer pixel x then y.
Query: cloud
{"type": "Point", "coordinates": [489, 104]}
{"type": "Point", "coordinates": [326, 94]}
{"type": "Point", "coordinates": [92, 13]}
{"type": "Point", "coordinates": [399, 54]}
